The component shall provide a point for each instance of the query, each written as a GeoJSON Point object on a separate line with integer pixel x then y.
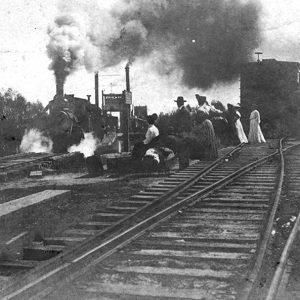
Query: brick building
{"type": "Point", "coordinates": [274, 86]}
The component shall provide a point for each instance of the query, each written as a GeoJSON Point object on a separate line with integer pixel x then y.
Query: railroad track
{"type": "Point", "coordinates": [284, 271]}
{"type": "Point", "coordinates": [19, 165]}
{"type": "Point", "coordinates": [194, 244]}
{"type": "Point", "coordinates": [284, 283]}
{"type": "Point", "coordinates": [16, 161]}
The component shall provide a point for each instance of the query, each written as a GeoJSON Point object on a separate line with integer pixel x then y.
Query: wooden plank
{"type": "Point", "coordinates": [84, 232]}
{"type": "Point", "coordinates": [194, 254]}
{"type": "Point", "coordinates": [214, 236]}
{"type": "Point", "coordinates": [156, 291]}
{"type": "Point", "coordinates": [223, 216]}
{"type": "Point", "coordinates": [175, 271]}
{"type": "Point", "coordinates": [154, 241]}
{"type": "Point", "coordinates": [14, 205]}
{"type": "Point", "coordinates": [213, 224]}
{"type": "Point", "coordinates": [150, 197]}
{"type": "Point", "coordinates": [19, 264]}
{"type": "Point", "coordinates": [236, 205]}
{"type": "Point", "coordinates": [228, 211]}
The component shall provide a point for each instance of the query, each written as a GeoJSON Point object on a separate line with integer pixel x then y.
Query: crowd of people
{"type": "Point", "coordinates": [193, 134]}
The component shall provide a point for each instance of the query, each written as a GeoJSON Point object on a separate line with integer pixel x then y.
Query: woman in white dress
{"type": "Point", "coordinates": [255, 134]}
{"type": "Point", "coordinates": [239, 129]}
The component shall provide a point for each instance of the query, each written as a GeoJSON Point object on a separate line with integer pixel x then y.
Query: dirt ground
{"type": "Point", "coordinates": [87, 194]}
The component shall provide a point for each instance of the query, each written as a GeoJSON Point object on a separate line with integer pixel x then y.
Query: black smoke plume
{"type": "Point", "coordinates": [69, 46]}
{"type": "Point", "coordinates": [208, 40]}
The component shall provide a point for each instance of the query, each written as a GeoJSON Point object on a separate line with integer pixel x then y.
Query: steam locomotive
{"type": "Point", "coordinates": [66, 119]}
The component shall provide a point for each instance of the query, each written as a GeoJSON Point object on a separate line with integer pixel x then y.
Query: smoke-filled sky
{"type": "Point", "coordinates": [176, 48]}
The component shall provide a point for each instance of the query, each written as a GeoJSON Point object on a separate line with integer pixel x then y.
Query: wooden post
{"type": "Point", "coordinates": [103, 100]}
{"type": "Point", "coordinates": [125, 125]}
{"type": "Point", "coordinates": [97, 89]}
{"type": "Point", "coordinates": [126, 107]}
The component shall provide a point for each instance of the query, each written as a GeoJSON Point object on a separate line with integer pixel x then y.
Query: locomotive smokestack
{"type": "Point", "coordinates": [97, 89]}
{"type": "Point", "coordinates": [59, 88]}
{"type": "Point", "coordinates": [127, 78]}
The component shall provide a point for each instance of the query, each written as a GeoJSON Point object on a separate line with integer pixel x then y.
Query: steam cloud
{"type": "Point", "coordinates": [34, 141]}
{"type": "Point", "coordinates": [87, 145]}
{"type": "Point", "coordinates": [206, 40]}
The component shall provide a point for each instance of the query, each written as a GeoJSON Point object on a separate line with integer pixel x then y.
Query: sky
{"type": "Point", "coordinates": [24, 64]}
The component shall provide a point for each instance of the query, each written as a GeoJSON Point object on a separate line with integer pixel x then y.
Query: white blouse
{"type": "Point", "coordinates": [151, 133]}
{"type": "Point", "coordinates": [206, 108]}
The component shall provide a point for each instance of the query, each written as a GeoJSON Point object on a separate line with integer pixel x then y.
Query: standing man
{"type": "Point", "coordinates": [182, 124]}
{"type": "Point", "coordinates": [182, 121]}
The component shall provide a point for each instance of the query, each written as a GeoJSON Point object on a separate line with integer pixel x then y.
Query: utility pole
{"type": "Point", "coordinates": [258, 54]}
{"type": "Point", "coordinates": [126, 112]}
{"type": "Point", "coordinates": [97, 89]}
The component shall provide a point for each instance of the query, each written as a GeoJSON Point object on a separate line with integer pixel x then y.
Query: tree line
{"type": "Point", "coordinates": [16, 115]}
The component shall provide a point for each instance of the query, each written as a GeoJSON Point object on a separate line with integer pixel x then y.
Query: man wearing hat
{"type": "Point", "coordinates": [180, 102]}
{"type": "Point", "coordinates": [182, 122]}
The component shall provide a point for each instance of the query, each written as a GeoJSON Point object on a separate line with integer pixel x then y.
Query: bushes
{"type": "Point", "coordinates": [16, 115]}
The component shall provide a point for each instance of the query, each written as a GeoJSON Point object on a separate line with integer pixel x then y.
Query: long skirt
{"type": "Point", "coordinates": [205, 147]}
{"type": "Point", "coordinates": [139, 150]}
{"type": "Point", "coordinates": [255, 133]}
{"type": "Point", "coordinates": [240, 132]}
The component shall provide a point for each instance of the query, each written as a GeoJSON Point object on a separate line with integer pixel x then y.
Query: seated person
{"type": "Point", "coordinates": [155, 159]}
{"type": "Point", "coordinates": [153, 154]}
{"type": "Point", "coordinates": [150, 140]}
{"type": "Point", "coordinates": [152, 131]}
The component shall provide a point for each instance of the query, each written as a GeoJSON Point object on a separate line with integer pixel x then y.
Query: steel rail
{"type": "Point", "coordinates": [148, 209]}
{"type": "Point", "coordinates": [135, 217]}
{"type": "Point", "coordinates": [253, 275]}
{"type": "Point", "coordinates": [273, 289]}
{"type": "Point", "coordinates": [24, 163]}
{"type": "Point", "coordinates": [22, 156]}
{"type": "Point", "coordinates": [14, 156]}
{"type": "Point", "coordinates": [79, 263]}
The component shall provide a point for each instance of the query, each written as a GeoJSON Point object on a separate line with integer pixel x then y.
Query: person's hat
{"type": "Point", "coordinates": [201, 99]}
{"type": "Point", "coordinates": [180, 99]}
{"type": "Point", "coordinates": [230, 106]}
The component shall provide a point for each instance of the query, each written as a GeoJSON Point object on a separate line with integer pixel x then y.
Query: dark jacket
{"type": "Point", "coordinates": [231, 117]}
{"type": "Point", "coordinates": [182, 120]}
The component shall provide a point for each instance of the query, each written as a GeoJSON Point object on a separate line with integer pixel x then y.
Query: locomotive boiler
{"type": "Point", "coordinates": [66, 118]}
